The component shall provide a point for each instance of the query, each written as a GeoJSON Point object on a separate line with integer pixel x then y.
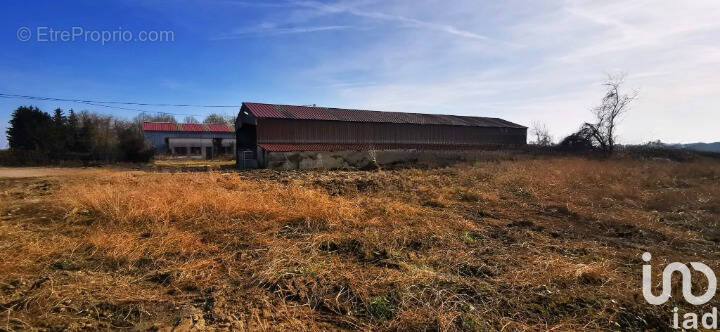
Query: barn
{"type": "Point", "coordinates": [286, 136]}
{"type": "Point", "coordinates": [190, 140]}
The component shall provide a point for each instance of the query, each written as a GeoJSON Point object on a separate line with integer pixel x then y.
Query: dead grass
{"type": "Point", "coordinates": [179, 163]}
{"type": "Point", "coordinates": [521, 245]}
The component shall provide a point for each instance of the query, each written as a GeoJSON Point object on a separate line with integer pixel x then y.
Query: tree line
{"type": "Point", "coordinates": [212, 118]}
{"type": "Point", "coordinates": [39, 137]}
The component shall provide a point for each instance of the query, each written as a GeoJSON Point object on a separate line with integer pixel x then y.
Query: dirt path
{"type": "Point", "coordinates": [34, 172]}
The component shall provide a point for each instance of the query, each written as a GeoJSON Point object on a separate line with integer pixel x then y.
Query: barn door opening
{"type": "Point", "coordinates": [246, 138]}
{"type": "Point", "coordinates": [208, 152]}
{"type": "Point", "coordinates": [217, 146]}
{"type": "Point", "coordinates": [246, 146]}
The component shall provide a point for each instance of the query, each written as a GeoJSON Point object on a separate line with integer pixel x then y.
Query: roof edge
{"type": "Point", "coordinates": [510, 124]}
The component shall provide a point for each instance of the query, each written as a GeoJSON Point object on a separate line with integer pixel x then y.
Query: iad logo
{"type": "Point", "coordinates": [686, 282]}
{"type": "Point", "coordinates": [690, 320]}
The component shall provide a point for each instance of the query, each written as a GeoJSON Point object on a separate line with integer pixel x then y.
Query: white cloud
{"type": "Point", "coordinates": [270, 29]}
{"type": "Point", "coordinates": [546, 64]}
{"type": "Point", "coordinates": [340, 7]}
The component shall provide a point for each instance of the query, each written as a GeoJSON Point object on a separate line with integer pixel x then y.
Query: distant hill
{"type": "Point", "coordinates": [707, 147]}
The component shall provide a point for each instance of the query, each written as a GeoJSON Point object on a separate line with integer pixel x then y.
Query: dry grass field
{"type": "Point", "coordinates": [526, 244]}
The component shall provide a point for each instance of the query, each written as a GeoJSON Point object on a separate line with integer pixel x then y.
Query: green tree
{"type": "Point", "coordinates": [88, 136]}
{"type": "Point", "coordinates": [58, 133]}
{"type": "Point", "coordinates": [73, 130]}
{"type": "Point", "coordinates": [28, 129]}
{"type": "Point", "coordinates": [131, 142]}
{"type": "Point", "coordinates": [59, 119]}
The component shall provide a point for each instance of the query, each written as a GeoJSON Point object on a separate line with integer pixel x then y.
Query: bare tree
{"type": "Point", "coordinates": [190, 119]}
{"type": "Point", "coordinates": [614, 104]}
{"type": "Point", "coordinates": [215, 118]}
{"type": "Point", "coordinates": [542, 134]}
{"type": "Point", "coordinates": [230, 119]}
{"type": "Point", "coordinates": [219, 118]}
{"type": "Point", "coordinates": [158, 117]}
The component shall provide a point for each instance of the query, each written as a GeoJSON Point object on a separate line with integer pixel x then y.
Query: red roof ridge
{"type": "Point", "coordinates": [180, 126]}
{"type": "Point", "coordinates": [283, 111]}
{"type": "Point", "coordinates": [338, 108]}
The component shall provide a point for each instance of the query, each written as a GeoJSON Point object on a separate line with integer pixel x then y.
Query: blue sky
{"type": "Point", "coordinates": [520, 60]}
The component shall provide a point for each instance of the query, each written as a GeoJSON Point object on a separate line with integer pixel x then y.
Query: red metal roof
{"type": "Point", "coordinates": [192, 127]}
{"type": "Point", "coordinates": [220, 127]}
{"type": "Point", "coordinates": [169, 126]}
{"type": "Point", "coordinates": [365, 147]}
{"type": "Point", "coordinates": [160, 126]}
{"type": "Point", "coordinates": [351, 115]}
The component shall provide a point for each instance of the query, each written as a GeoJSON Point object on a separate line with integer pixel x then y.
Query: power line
{"type": "Point", "coordinates": [5, 95]}
{"type": "Point", "coordinates": [98, 104]}
{"type": "Point", "coordinates": [137, 110]}
{"type": "Point", "coordinates": [85, 103]}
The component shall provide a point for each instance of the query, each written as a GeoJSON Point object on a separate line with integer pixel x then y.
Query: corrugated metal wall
{"type": "Point", "coordinates": [339, 132]}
